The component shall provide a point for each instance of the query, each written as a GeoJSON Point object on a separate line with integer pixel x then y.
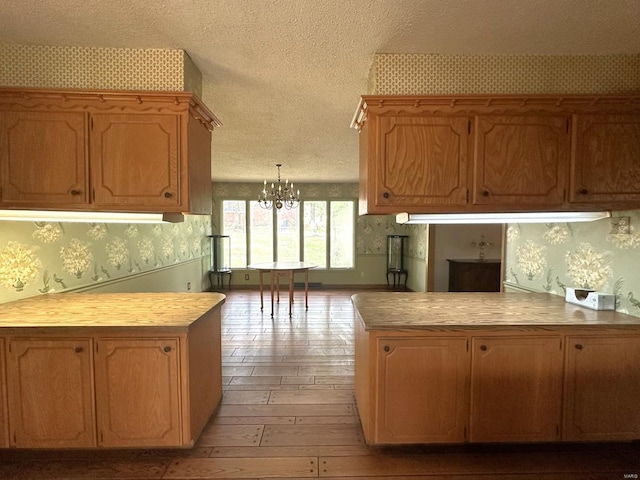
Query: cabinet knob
{"type": "Point", "coordinates": [583, 191]}
{"type": "Point", "coordinates": [483, 348]}
{"type": "Point", "coordinates": [386, 195]}
{"type": "Point", "coordinates": [485, 193]}
{"type": "Point", "coordinates": [75, 192]}
{"type": "Point", "coordinates": [168, 194]}
{"type": "Point", "coordinates": [79, 349]}
{"type": "Point", "coordinates": [579, 346]}
{"type": "Point", "coordinates": [167, 349]}
{"type": "Point", "coordinates": [386, 348]}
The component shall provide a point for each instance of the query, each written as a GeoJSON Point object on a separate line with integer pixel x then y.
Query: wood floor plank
{"type": "Point", "coordinates": [147, 468]}
{"type": "Point", "coordinates": [310, 397]}
{"type": "Point", "coordinates": [472, 464]}
{"type": "Point", "coordinates": [308, 380]}
{"type": "Point", "coordinates": [259, 420]}
{"type": "Point", "coordinates": [334, 380]}
{"type": "Point", "coordinates": [236, 371]}
{"type": "Point", "coordinates": [230, 435]}
{"type": "Point", "coordinates": [255, 381]}
{"type": "Point", "coordinates": [242, 467]}
{"type": "Point", "coordinates": [297, 451]}
{"type": "Point", "coordinates": [330, 434]}
{"type": "Point", "coordinates": [345, 419]}
{"type": "Point", "coordinates": [274, 371]}
{"type": "Point", "coordinates": [284, 410]}
{"type": "Point", "coordinates": [249, 397]}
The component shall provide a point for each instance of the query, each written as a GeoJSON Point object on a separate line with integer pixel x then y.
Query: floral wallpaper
{"type": "Point", "coordinates": [590, 255]}
{"type": "Point", "coordinates": [371, 230]}
{"type": "Point", "coordinates": [37, 258]}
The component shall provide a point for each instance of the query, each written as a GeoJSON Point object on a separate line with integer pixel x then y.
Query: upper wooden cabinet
{"type": "Point", "coordinates": [498, 153]}
{"type": "Point", "coordinates": [43, 158]}
{"type": "Point", "coordinates": [520, 160]}
{"type": "Point", "coordinates": [109, 151]}
{"type": "Point", "coordinates": [605, 164]}
{"type": "Point", "coordinates": [418, 161]}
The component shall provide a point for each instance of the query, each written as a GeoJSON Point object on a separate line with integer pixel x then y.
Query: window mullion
{"type": "Point", "coordinates": [328, 237]}
{"type": "Point", "coordinates": [247, 227]}
{"type": "Point", "coordinates": [274, 230]}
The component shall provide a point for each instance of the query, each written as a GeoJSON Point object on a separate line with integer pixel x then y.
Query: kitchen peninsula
{"type": "Point", "coordinates": [494, 367]}
{"type": "Point", "coordinates": [109, 370]}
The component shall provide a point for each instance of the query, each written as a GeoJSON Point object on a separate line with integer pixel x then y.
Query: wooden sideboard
{"type": "Point", "coordinates": [469, 275]}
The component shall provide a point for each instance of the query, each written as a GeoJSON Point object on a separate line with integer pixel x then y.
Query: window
{"type": "Point", "coordinates": [234, 224]}
{"type": "Point", "coordinates": [315, 233]}
{"type": "Point", "coordinates": [319, 231]}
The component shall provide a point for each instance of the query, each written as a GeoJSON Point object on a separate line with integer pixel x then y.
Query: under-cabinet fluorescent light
{"type": "Point", "coordinates": [513, 217]}
{"type": "Point", "coordinates": [89, 217]}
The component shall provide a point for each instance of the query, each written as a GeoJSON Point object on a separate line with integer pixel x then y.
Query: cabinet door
{"type": "Point", "coordinates": [422, 396]}
{"type": "Point", "coordinates": [4, 423]}
{"type": "Point", "coordinates": [135, 161]}
{"type": "Point", "coordinates": [421, 161]}
{"type": "Point", "coordinates": [43, 158]}
{"type": "Point", "coordinates": [604, 164]}
{"type": "Point", "coordinates": [521, 160]}
{"type": "Point", "coordinates": [51, 393]}
{"type": "Point", "coordinates": [602, 389]}
{"type": "Point", "coordinates": [516, 388]}
{"type": "Point", "coordinates": [138, 392]}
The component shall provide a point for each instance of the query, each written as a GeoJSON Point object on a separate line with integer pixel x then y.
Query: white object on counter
{"type": "Point", "coordinates": [590, 299]}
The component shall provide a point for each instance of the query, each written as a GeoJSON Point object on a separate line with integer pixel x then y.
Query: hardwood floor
{"type": "Point", "coordinates": [288, 412]}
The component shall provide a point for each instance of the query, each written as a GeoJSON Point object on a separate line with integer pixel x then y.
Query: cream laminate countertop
{"type": "Point", "coordinates": [108, 310]}
{"type": "Point", "coordinates": [437, 311]}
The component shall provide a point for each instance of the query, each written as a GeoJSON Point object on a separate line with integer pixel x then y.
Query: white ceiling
{"type": "Point", "coordinates": [285, 76]}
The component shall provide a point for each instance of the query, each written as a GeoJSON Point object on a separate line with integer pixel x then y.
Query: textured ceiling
{"type": "Point", "coordinates": [285, 76]}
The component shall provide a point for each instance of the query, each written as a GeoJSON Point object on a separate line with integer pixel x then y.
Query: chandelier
{"type": "Point", "coordinates": [279, 195]}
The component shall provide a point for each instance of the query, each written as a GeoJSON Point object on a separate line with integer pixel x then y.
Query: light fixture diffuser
{"type": "Point", "coordinates": [502, 217]}
{"type": "Point", "coordinates": [89, 217]}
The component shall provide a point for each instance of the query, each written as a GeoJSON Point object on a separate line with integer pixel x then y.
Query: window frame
{"type": "Point", "coordinates": [300, 210]}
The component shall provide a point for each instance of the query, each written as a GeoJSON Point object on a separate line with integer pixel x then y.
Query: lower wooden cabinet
{"type": "Point", "coordinates": [516, 389]}
{"type": "Point", "coordinates": [51, 402]}
{"type": "Point", "coordinates": [492, 386]}
{"type": "Point", "coordinates": [4, 423]}
{"type": "Point", "coordinates": [602, 388]}
{"type": "Point", "coordinates": [423, 391]}
{"type": "Point", "coordinates": [126, 388]}
{"type": "Point", "coordinates": [138, 391]}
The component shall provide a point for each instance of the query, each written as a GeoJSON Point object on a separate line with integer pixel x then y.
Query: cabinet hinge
{"type": "Point", "coordinates": [467, 195]}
